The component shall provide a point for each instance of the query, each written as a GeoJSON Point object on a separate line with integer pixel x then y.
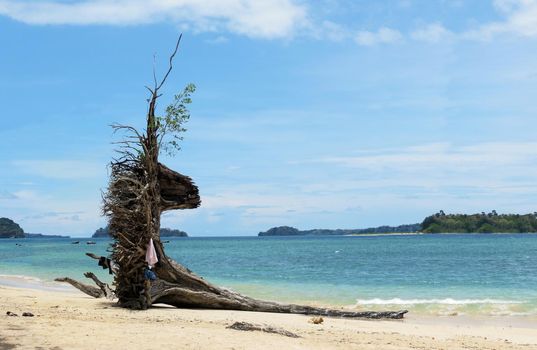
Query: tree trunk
{"type": "Point", "coordinates": [181, 288]}
{"type": "Point", "coordinates": [140, 189]}
{"type": "Point", "coordinates": [177, 286]}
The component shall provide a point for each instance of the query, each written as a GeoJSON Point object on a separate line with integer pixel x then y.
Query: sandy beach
{"type": "Point", "coordinates": [71, 320]}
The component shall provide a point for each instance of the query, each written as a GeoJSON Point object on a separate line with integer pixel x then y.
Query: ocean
{"type": "Point", "coordinates": [455, 274]}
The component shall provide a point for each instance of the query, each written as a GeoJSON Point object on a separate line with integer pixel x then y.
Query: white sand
{"type": "Point", "coordinates": [65, 320]}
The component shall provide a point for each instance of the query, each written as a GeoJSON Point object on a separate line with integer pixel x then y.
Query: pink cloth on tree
{"type": "Point", "coordinates": [151, 254]}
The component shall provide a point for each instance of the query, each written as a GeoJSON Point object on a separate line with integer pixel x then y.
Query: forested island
{"type": "Point", "coordinates": [437, 223]}
{"type": "Point", "coordinates": [10, 229]}
{"type": "Point", "coordinates": [480, 223]}
{"type": "Point", "coordinates": [291, 231]}
{"type": "Point", "coordinates": [164, 232]}
{"type": "Point", "coordinates": [41, 235]}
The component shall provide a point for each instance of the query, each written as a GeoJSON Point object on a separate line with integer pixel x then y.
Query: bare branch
{"type": "Point", "coordinates": [154, 72]}
{"type": "Point", "coordinates": [117, 127]}
{"type": "Point", "coordinates": [148, 88]}
{"type": "Point", "coordinates": [171, 64]}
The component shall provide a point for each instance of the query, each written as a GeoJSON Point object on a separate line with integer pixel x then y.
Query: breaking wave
{"type": "Point", "coordinates": [446, 301]}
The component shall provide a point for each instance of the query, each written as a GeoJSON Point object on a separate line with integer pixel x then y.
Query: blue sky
{"type": "Point", "coordinates": [314, 114]}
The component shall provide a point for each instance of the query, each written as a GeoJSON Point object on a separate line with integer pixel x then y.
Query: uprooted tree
{"type": "Point", "coordinates": [140, 189]}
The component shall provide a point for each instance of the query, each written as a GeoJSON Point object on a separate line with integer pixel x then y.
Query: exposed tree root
{"type": "Point", "coordinates": [104, 289]}
{"type": "Point", "coordinates": [191, 291]}
{"type": "Point", "coordinates": [89, 290]}
{"type": "Point", "coordinates": [139, 191]}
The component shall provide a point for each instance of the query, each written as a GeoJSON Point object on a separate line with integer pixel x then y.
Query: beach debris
{"type": "Point", "coordinates": [9, 313]}
{"type": "Point", "coordinates": [316, 320]}
{"type": "Point", "coordinates": [27, 314]}
{"type": "Point", "coordinates": [245, 326]}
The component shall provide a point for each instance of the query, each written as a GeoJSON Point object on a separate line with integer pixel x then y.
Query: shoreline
{"type": "Point", "coordinates": [446, 306]}
{"type": "Point", "coordinates": [89, 238]}
{"type": "Point", "coordinates": [72, 320]}
{"type": "Point", "coordinates": [376, 234]}
{"type": "Point", "coordinates": [35, 283]}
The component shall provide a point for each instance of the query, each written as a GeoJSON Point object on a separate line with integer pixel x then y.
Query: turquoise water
{"type": "Point", "coordinates": [432, 274]}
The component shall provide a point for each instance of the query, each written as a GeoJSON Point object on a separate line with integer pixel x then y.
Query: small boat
{"type": "Point", "coordinates": [90, 242]}
{"type": "Point", "coordinates": [75, 242]}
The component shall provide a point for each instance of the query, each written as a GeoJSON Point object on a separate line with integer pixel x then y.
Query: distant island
{"type": "Point", "coordinates": [480, 223]}
{"type": "Point", "coordinates": [10, 229]}
{"type": "Point", "coordinates": [291, 231]}
{"type": "Point", "coordinates": [164, 232]}
{"type": "Point", "coordinates": [41, 235]}
{"type": "Point", "coordinates": [437, 223]}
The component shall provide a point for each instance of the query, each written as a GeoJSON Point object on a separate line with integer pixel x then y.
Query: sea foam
{"type": "Point", "coordinates": [446, 301]}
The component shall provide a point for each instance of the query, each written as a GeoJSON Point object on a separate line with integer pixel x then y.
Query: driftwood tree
{"type": "Point", "coordinates": [140, 190]}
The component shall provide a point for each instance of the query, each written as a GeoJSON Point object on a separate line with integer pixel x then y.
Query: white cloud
{"type": "Point", "coordinates": [521, 20]}
{"type": "Point", "coordinates": [440, 170]}
{"type": "Point", "coordinates": [432, 33]}
{"type": "Point", "coordinates": [62, 169]}
{"type": "Point", "coordinates": [52, 214]}
{"type": "Point", "coordinates": [330, 31]}
{"type": "Point", "coordinates": [383, 36]}
{"type": "Point", "coordinates": [408, 182]}
{"type": "Point", "coordinates": [7, 195]}
{"type": "Point", "coordinates": [504, 157]}
{"type": "Point", "coordinates": [253, 18]}
{"type": "Point", "coordinates": [256, 205]}
{"type": "Point", "coordinates": [506, 6]}
{"type": "Point", "coordinates": [218, 40]}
